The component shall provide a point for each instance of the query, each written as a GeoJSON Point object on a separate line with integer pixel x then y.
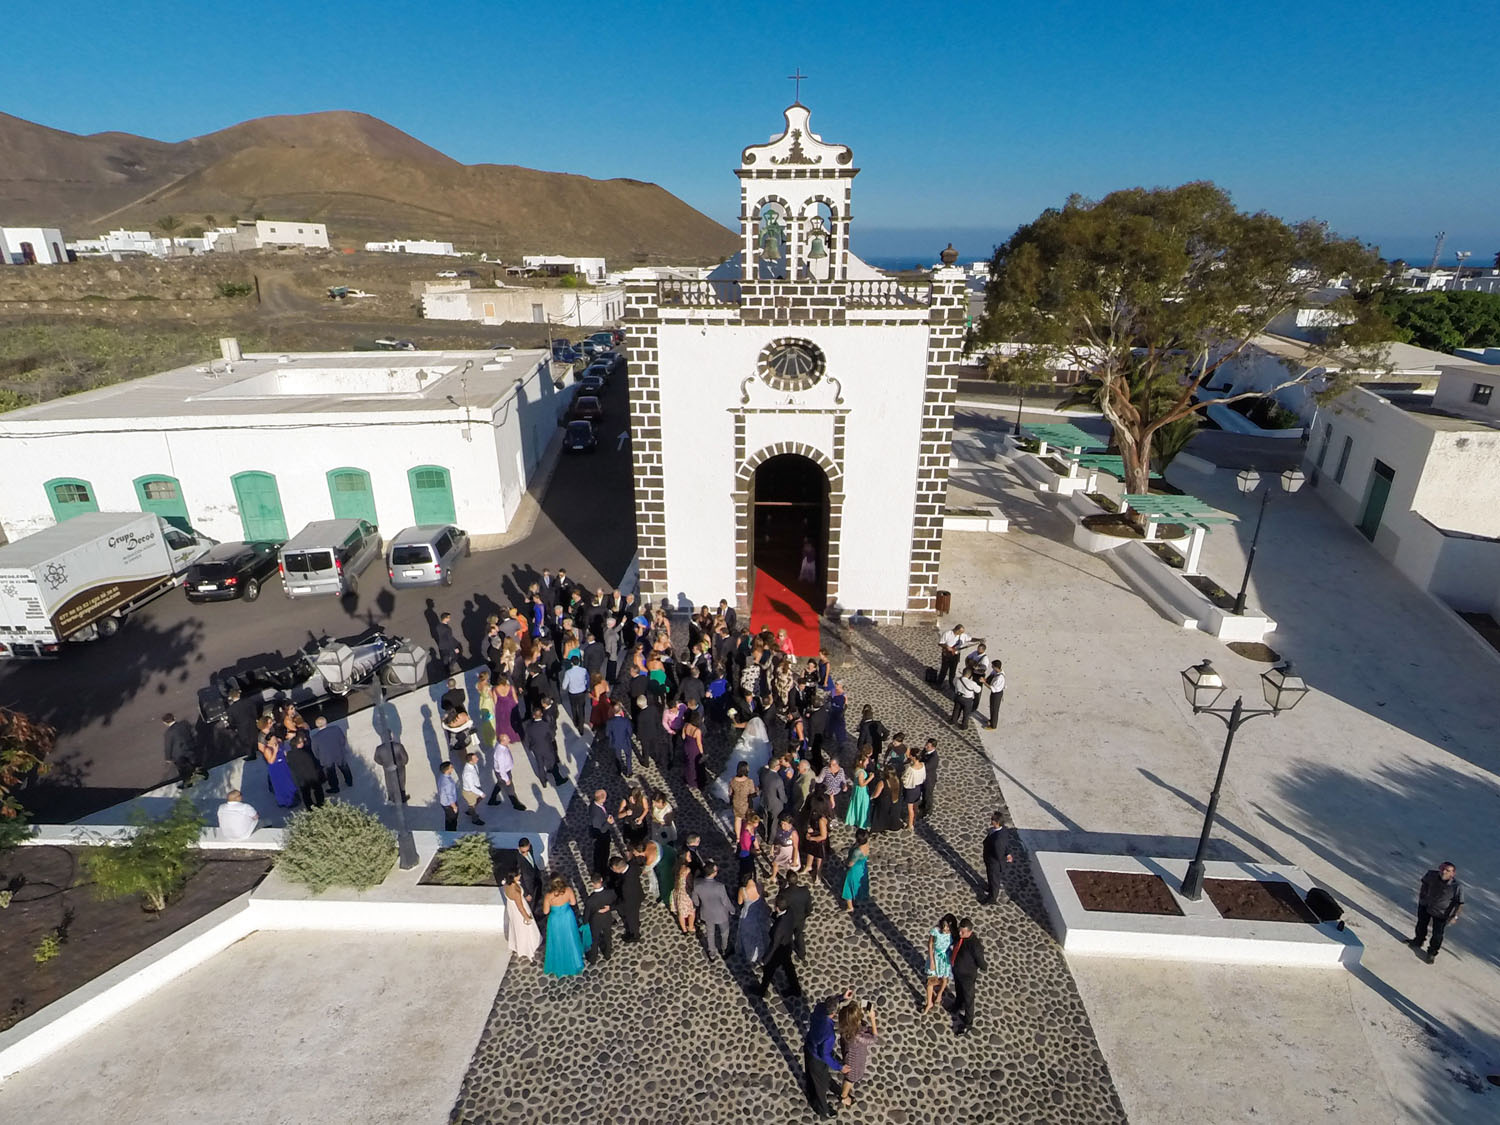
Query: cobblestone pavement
{"type": "Point", "coordinates": [658, 1034]}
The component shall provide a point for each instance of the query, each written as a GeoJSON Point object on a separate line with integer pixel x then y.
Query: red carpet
{"type": "Point", "coordinates": [776, 606]}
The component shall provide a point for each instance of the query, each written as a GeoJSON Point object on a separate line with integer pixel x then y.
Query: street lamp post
{"type": "Point", "coordinates": [406, 845]}
{"type": "Point", "coordinates": [1248, 480]}
{"type": "Point", "coordinates": [1203, 686]}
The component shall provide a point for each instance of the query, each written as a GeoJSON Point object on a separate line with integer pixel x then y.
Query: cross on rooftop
{"type": "Point", "coordinates": [797, 78]}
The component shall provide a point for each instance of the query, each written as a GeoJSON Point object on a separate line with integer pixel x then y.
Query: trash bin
{"type": "Point", "coordinates": [944, 601]}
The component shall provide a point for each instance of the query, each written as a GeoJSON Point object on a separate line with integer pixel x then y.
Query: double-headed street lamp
{"type": "Point", "coordinates": [1203, 686]}
{"type": "Point", "coordinates": [1248, 480]}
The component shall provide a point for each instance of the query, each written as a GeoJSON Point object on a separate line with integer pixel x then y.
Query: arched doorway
{"type": "Point", "coordinates": [789, 496]}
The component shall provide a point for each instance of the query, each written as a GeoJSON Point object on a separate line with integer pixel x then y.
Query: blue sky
{"type": "Point", "coordinates": [966, 117]}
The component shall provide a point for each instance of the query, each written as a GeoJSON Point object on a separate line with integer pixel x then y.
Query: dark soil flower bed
{"type": "Point", "coordinates": [52, 896]}
{"type": "Point", "coordinates": [1252, 900]}
{"type": "Point", "coordinates": [1123, 892]}
{"type": "Point", "coordinates": [1123, 527]}
{"type": "Point", "coordinates": [1105, 502]}
{"type": "Point", "coordinates": [501, 859]}
{"type": "Point", "coordinates": [1056, 466]}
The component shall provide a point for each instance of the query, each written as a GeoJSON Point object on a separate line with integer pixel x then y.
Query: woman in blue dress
{"type": "Point", "coordinates": [278, 769]}
{"type": "Point", "coordinates": [564, 946]}
{"type": "Point", "coordinates": [857, 868]}
{"type": "Point", "coordinates": [939, 966]}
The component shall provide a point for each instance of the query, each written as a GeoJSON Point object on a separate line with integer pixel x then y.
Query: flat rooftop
{"type": "Point", "coordinates": [1420, 407]}
{"type": "Point", "coordinates": [297, 383]}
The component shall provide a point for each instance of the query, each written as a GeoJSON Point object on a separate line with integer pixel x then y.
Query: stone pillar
{"type": "Point", "coordinates": [642, 318]}
{"type": "Point", "coordinates": [945, 322]}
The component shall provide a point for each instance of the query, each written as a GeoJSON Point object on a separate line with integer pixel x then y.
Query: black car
{"type": "Point", "coordinates": [230, 570]}
{"type": "Point", "coordinates": [613, 364]}
{"type": "Point", "coordinates": [591, 384]}
{"type": "Point", "coordinates": [580, 437]}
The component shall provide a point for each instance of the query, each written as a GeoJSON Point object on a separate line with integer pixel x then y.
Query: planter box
{"type": "Point", "coordinates": [1096, 542]}
{"type": "Point", "coordinates": [982, 517]}
{"type": "Point", "coordinates": [1181, 603]}
{"type": "Point", "coordinates": [1078, 505]}
{"type": "Point", "coordinates": [1043, 479]}
{"type": "Point", "coordinates": [1199, 933]}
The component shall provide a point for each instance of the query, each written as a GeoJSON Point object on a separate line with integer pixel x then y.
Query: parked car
{"type": "Point", "coordinates": [567, 355]}
{"type": "Point", "coordinates": [231, 570]}
{"type": "Point", "coordinates": [468, 273]}
{"type": "Point", "coordinates": [586, 407]}
{"type": "Point", "coordinates": [559, 342]}
{"type": "Point", "coordinates": [589, 348]}
{"type": "Point", "coordinates": [591, 384]}
{"type": "Point", "coordinates": [447, 273]}
{"type": "Point", "coordinates": [580, 437]}
{"type": "Point", "coordinates": [327, 556]}
{"type": "Point", "coordinates": [612, 362]}
{"type": "Point", "coordinates": [391, 344]}
{"type": "Point", "coordinates": [425, 555]}
{"type": "Point", "coordinates": [604, 339]}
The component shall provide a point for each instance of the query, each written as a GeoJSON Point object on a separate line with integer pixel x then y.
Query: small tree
{"type": "Point", "coordinates": [155, 863]}
{"type": "Point", "coordinates": [209, 220]}
{"type": "Point", "coordinates": [24, 746]}
{"type": "Point", "coordinates": [1023, 376]}
{"type": "Point", "coordinates": [1152, 292]}
{"type": "Point", "coordinates": [468, 863]}
{"type": "Point", "coordinates": [337, 845]}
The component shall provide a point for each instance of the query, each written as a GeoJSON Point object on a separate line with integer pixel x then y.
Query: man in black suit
{"type": "Point", "coordinates": [449, 651]}
{"type": "Point", "coordinates": [625, 881]}
{"type": "Point", "coordinates": [540, 741]}
{"type": "Point", "coordinates": [655, 745]}
{"type": "Point", "coordinates": [797, 902]}
{"type": "Point", "coordinates": [180, 747]}
{"type": "Point", "coordinates": [241, 715]}
{"type": "Point", "coordinates": [783, 937]}
{"type": "Point", "coordinates": [392, 757]}
{"type": "Point", "coordinates": [772, 791]}
{"type": "Point", "coordinates": [527, 872]}
{"type": "Point", "coordinates": [598, 912]}
{"type": "Point", "coordinates": [726, 611]}
{"type": "Point", "coordinates": [967, 960]}
{"type": "Point", "coordinates": [997, 854]}
{"type": "Point", "coordinates": [547, 587]}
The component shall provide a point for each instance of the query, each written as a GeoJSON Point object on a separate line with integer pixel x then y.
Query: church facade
{"type": "Point", "coordinates": [791, 415]}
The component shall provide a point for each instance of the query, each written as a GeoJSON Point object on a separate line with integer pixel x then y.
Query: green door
{"type": "Point", "coordinates": [1380, 491]}
{"type": "Point", "coordinates": [352, 496]}
{"type": "Point", "coordinates": [260, 507]}
{"type": "Point", "coordinates": [431, 495]}
{"type": "Point", "coordinates": [69, 496]}
{"type": "Point", "coordinates": [163, 495]}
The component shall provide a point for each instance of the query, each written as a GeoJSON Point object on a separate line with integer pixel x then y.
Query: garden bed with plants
{"type": "Point", "coordinates": [1123, 527]}
{"type": "Point", "coordinates": [1216, 594]}
{"type": "Point", "coordinates": [57, 933]}
{"type": "Point", "coordinates": [471, 862]}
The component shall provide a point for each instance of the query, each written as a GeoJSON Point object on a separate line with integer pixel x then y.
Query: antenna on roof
{"type": "Point", "coordinates": [1437, 249]}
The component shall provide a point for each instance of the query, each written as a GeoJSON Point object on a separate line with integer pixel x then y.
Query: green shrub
{"type": "Point", "coordinates": [235, 289]}
{"type": "Point", "coordinates": [338, 845]}
{"type": "Point", "coordinates": [155, 863]}
{"type": "Point", "coordinates": [466, 864]}
{"type": "Point", "coordinates": [49, 947]}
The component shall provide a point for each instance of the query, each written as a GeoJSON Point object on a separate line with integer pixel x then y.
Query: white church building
{"type": "Point", "coordinates": [796, 404]}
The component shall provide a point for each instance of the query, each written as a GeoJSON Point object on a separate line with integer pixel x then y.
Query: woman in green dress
{"type": "Point", "coordinates": [857, 879]}
{"type": "Point", "coordinates": [663, 870]}
{"type": "Point", "coordinates": [857, 815]}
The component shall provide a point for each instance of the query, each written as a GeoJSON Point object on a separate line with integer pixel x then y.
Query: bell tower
{"type": "Point", "coordinates": [795, 205]}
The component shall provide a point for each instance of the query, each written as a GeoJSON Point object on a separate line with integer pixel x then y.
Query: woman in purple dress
{"type": "Point", "coordinates": [692, 755]}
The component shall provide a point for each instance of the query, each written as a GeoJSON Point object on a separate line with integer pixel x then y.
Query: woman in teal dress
{"type": "Point", "coordinates": [857, 815]}
{"type": "Point", "coordinates": [663, 870]}
{"type": "Point", "coordinates": [939, 966]}
{"type": "Point", "coordinates": [857, 878]}
{"type": "Point", "coordinates": [564, 946]}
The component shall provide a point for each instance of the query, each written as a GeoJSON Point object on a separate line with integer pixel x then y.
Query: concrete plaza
{"type": "Point", "coordinates": [1387, 768]}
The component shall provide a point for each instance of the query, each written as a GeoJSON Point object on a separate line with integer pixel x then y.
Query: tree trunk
{"type": "Point", "coordinates": [1135, 457]}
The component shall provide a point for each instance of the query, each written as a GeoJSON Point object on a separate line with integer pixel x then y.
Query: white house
{"type": "Point", "coordinates": [1419, 475]}
{"type": "Point", "coordinates": [413, 246]}
{"type": "Point", "coordinates": [285, 232]}
{"type": "Point", "coordinates": [34, 246]}
{"type": "Point", "coordinates": [4, 249]}
{"type": "Point", "coordinates": [256, 446]}
{"type": "Point", "coordinates": [567, 308]}
{"type": "Point", "coordinates": [592, 269]}
{"type": "Point", "coordinates": [796, 404]}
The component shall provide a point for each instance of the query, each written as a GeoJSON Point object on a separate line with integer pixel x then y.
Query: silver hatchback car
{"type": "Point", "coordinates": [425, 555]}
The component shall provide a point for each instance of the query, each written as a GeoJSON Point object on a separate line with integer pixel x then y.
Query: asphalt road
{"type": "Point", "coordinates": [106, 698]}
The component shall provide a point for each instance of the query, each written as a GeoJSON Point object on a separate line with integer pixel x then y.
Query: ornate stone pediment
{"type": "Point", "coordinates": [757, 395]}
{"type": "Point", "coordinates": [799, 145]}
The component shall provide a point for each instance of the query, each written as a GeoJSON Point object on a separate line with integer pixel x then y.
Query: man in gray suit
{"type": "Point", "coordinates": [714, 909]}
{"type": "Point", "coordinates": [772, 791]}
{"type": "Point", "coordinates": [391, 757]}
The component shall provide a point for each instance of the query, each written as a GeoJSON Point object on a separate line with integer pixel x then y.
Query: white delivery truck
{"type": "Point", "coordinates": [77, 580]}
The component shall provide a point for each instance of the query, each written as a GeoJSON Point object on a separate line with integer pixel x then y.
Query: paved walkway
{"type": "Point", "coordinates": [1387, 768]}
{"type": "Point", "coordinates": [660, 1035]}
{"type": "Point", "coordinates": [282, 1029]}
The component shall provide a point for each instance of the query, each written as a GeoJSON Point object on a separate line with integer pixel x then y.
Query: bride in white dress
{"type": "Point", "coordinates": [521, 932]}
{"type": "Point", "coordinates": [754, 747]}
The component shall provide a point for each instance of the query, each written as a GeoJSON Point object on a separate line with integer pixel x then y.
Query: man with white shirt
{"type": "Point", "coordinates": [996, 683]}
{"type": "Point", "coordinates": [952, 643]}
{"type": "Point", "coordinates": [237, 820]}
{"type": "Point", "coordinates": [965, 696]}
{"type": "Point", "coordinates": [473, 788]}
